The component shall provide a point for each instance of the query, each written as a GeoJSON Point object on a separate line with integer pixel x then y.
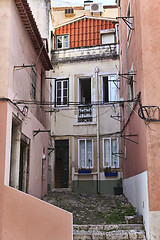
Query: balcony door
{"type": "Point", "coordinates": [85, 107]}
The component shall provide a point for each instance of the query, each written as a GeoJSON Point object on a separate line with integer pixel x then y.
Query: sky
{"type": "Point", "coordinates": [67, 3]}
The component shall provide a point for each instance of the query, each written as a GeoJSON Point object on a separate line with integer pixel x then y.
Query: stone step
{"type": "Point", "coordinates": [109, 232]}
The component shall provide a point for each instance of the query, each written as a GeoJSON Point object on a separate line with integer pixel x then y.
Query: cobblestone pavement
{"type": "Point", "coordinates": [92, 209]}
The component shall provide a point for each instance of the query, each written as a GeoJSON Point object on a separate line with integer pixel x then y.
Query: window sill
{"type": "Point", "coordinates": [84, 123]}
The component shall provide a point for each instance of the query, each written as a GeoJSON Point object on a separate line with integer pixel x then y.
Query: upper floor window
{"type": "Point", "coordinates": [62, 41]}
{"type": "Point", "coordinates": [69, 11]}
{"type": "Point", "coordinates": [33, 83]}
{"type": "Point", "coordinates": [110, 88]}
{"type": "Point", "coordinates": [85, 155]}
{"type": "Point", "coordinates": [62, 92]}
{"type": "Point", "coordinates": [110, 152]}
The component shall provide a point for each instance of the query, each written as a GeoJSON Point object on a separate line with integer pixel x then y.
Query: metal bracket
{"type": "Point", "coordinates": [116, 117]}
{"type": "Point", "coordinates": [149, 113]}
{"type": "Point", "coordinates": [114, 81]}
{"type": "Point", "coordinates": [127, 75]}
{"type": "Point", "coordinates": [35, 132]}
{"type": "Point", "coordinates": [117, 154]}
{"type": "Point", "coordinates": [24, 66]}
{"type": "Point", "coordinates": [51, 150]}
{"type": "Point", "coordinates": [126, 137]}
{"type": "Point", "coordinates": [128, 23]}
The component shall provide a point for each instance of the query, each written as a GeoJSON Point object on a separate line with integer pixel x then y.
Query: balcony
{"type": "Point", "coordinates": [85, 113]}
{"type": "Point", "coordinates": [88, 53]}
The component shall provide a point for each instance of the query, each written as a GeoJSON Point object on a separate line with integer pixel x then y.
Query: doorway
{"type": "Point", "coordinates": [61, 163]}
{"type": "Point", "coordinates": [24, 167]}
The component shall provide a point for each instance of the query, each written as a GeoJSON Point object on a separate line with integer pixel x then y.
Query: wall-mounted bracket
{"type": "Point", "coordinates": [126, 21]}
{"type": "Point", "coordinates": [116, 117]}
{"type": "Point", "coordinates": [114, 81]}
{"type": "Point", "coordinates": [127, 75]}
{"type": "Point", "coordinates": [35, 132]}
{"type": "Point", "coordinates": [50, 150]}
{"type": "Point", "coordinates": [119, 154]}
{"type": "Point", "coordinates": [24, 66]}
{"type": "Point", "coordinates": [149, 113]}
{"type": "Point", "coordinates": [127, 137]}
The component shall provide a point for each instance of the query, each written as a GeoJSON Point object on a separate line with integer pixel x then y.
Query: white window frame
{"type": "Point", "coordinates": [110, 84]}
{"type": "Point", "coordinates": [63, 41]}
{"type": "Point", "coordinates": [62, 92]}
{"type": "Point", "coordinates": [79, 162]}
{"type": "Point", "coordinates": [111, 156]}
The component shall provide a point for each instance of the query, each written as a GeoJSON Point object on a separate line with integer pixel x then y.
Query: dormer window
{"type": "Point", "coordinates": [62, 41]}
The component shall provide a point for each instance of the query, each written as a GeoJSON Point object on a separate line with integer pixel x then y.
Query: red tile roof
{"type": "Point", "coordinates": [85, 31]}
{"type": "Point", "coordinates": [33, 32]}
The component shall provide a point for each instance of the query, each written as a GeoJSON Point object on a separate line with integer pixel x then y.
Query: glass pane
{"type": "Point", "coordinates": [66, 41]}
{"type": "Point", "coordinates": [89, 153]}
{"type": "Point", "coordinates": [65, 100]}
{"type": "Point", "coordinates": [82, 153]}
{"type": "Point", "coordinates": [64, 84]}
{"type": "Point", "coordinates": [112, 88]}
{"type": "Point", "coordinates": [58, 85]}
{"type": "Point", "coordinates": [107, 152]}
{"type": "Point", "coordinates": [64, 92]}
{"type": "Point", "coordinates": [114, 152]}
{"type": "Point", "coordinates": [58, 101]}
{"type": "Point", "coordinates": [58, 93]}
{"type": "Point", "coordinates": [59, 41]}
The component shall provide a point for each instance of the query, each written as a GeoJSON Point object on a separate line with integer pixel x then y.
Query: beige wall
{"type": "Point", "coordinates": [64, 120]}
{"type": "Point", "coordinates": [58, 17]}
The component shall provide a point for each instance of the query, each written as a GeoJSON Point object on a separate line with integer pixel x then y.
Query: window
{"type": "Point", "coordinates": [85, 153]}
{"type": "Point", "coordinates": [85, 109]}
{"type": "Point", "coordinates": [110, 88]}
{"type": "Point", "coordinates": [69, 11]}
{"type": "Point", "coordinates": [62, 41]}
{"type": "Point", "coordinates": [62, 92]}
{"type": "Point", "coordinates": [33, 83]}
{"type": "Point", "coordinates": [110, 152]}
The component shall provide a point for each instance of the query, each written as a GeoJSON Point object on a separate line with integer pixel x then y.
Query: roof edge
{"type": "Point", "coordinates": [85, 16]}
{"type": "Point", "coordinates": [33, 32]}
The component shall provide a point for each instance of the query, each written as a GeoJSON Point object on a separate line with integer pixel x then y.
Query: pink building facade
{"type": "Point", "coordinates": [24, 127]}
{"type": "Point", "coordinates": [139, 75]}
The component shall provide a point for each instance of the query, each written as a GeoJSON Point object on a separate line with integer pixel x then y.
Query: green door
{"type": "Point", "coordinates": [61, 163]}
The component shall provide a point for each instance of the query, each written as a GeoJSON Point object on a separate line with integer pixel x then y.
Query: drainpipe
{"type": "Point", "coordinates": [97, 113]}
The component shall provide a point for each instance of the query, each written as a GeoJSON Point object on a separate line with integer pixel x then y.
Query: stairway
{"type": "Point", "coordinates": [108, 232]}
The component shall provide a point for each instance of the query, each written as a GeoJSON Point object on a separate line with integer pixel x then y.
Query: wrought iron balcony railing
{"type": "Point", "coordinates": [85, 113]}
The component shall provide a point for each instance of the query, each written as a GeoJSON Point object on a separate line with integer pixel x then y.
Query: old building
{"type": "Point", "coordinates": [139, 76]}
{"type": "Point", "coordinates": [24, 130]}
{"type": "Point", "coordinates": [85, 92]}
